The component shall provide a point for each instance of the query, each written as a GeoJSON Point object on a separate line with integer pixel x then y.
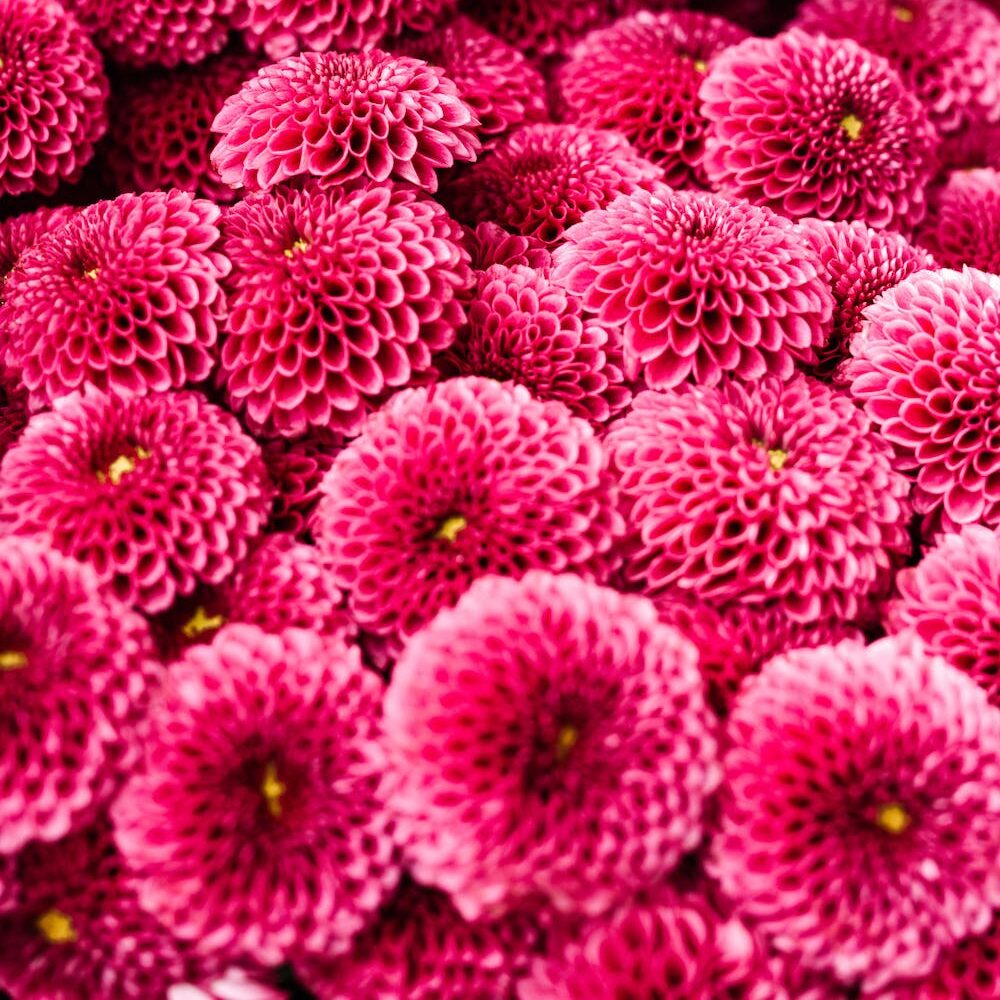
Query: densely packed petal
{"type": "Point", "coordinates": [296, 467]}
{"type": "Point", "coordinates": [964, 223]}
{"type": "Point", "coordinates": [22, 232]}
{"type": "Point", "coordinates": [489, 244]}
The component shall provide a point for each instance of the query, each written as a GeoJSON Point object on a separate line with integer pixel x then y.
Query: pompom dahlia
{"type": "Point", "coordinates": [22, 232]}
{"type": "Point", "coordinates": [336, 296]}
{"type": "Point", "coordinates": [528, 755]}
{"type": "Point", "coordinates": [125, 296]}
{"type": "Point", "coordinates": [255, 825]}
{"type": "Point", "coordinates": [964, 224]}
{"type": "Point", "coordinates": [524, 328]}
{"type": "Point", "coordinates": [456, 481]}
{"type": "Point", "coordinates": [702, 286]}
{"type": "Point", "coordinates": [544, 178]}
{"type": "Point", "coordinates": [341, 116]}
{"type": "Point", "coordinates": [776, 492]}
{"type": "Point", "coordinates": [641, 77]}
{"type": "Point", "coordinates": [156, 493]}
{"type": "Point", "coordinates": [296, 467]}
{"type": "Point", "coordinates": [491, 244]}
{"type": "Point", "coordinates": [74, 669]}
{"type": "Point", "coordinates": [54, 95]}
{"type": "Point", "coordinates": [926, 367]}
{"type": "Point", "coordinates": [811, 126]}
{"type": "Point", "coordinates": [860, 825]}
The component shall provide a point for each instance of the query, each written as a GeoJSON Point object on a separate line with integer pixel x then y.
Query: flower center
{"type": "Point", "coordinates": [701, 66]}
{"type": "Point", "coordinates": [893, 818]}
{"type": "Point", "coordinates": [451, 527]}
{"type": "Point", "coordinates": [12, 659]}
{"type": "Point", "coordinates": [903, 14]}
{"type": "Point", "coordinates": [776, 456]}
{"type": "Point", "coordinates": [122, 466]}
{"type": "Point", "coordinates": [56, 927]}
{"type": "Point", "coordinates": [200, 623]}
{"type": "Point", "coordinates": [567, 738]}
{"type": "Point", "coordinates": [299, 245]}
{"type": "Point", "coordinates": [852, 126]}
{"type": "Point", "coordinates": [273, 789]}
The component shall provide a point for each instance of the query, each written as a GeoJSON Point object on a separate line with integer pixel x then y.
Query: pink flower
{"type": "Point", "coordinates": [964, 224]}
{"type": "Point", "coordinates": [13, 411]}
{"type": "Point", "coordinates": [22, 232]}
{"type": "Point", "coordinates": [297, 466]}
{"type": "Point", "coordinates": [491, 244]}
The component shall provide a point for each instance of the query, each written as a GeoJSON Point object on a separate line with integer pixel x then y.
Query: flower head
{"type": "Point", "coordinates": [964, 224]}
{"type": "Point", "coordinates": [491, 244]}
{"type": "Point", "coordinates": [22, 232]}
{"type": "Point", "coordinates": [296, 467]}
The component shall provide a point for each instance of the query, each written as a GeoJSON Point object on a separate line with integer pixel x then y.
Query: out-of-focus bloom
{"type": "Point", "coordinates": [963, 226]}
{"type": "Point", "coordinates": [491, 244]}
{"type": "Point", "coordinates": [297, 467]}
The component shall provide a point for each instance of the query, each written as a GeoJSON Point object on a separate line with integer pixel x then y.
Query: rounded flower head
{"type": "Point", "coordinates": [296, 467]}
{"type": "Point", "coordinates": [340, 116]}
{"type": "Point", "coordinates": [124, 296]}
{"type": "Point", "coordinates": [859, 264]}
{"type": "Point", "coordinates": [700, 285]}
{"type": "Point", "coordinates": [491, 244]}
{"type": "Point", "coordinates": [641, 77]}
{"type": "Point", "coordinates": [544, 178]}
{"type": "Point", "coordinates": [775, 492]}
{"type": "Point", "coordinates": [78, 929]}
{"type": "Point", "coordinates": [812, 126]}
{"type": "Point", "coordinates": [528, 754]}
{"type": "Point", "coordinates": [74, 668]}
{"type": "Point", "coordinates": [964, 224]}
{"type": "Point", "coordinates": [54, 95]}
{"type": "Point", "coordinates": [456, 481]}
{"type": "Point", "coordinates": [156, 493]}
{"type": "Point", "coordinates": [926, 367]}
{"type": "Point", "coordinates": [860, 826]}
{"type": "Point", "coordinates": [524, 328]}
{"type": "Point", "coordinates": [255, 826]}
{"type": "Point", "coordinates": [22, 232]}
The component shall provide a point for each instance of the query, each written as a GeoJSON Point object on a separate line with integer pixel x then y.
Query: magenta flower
{"type": "Point", "coordinates": [13, 412]}
{"type": "Point", "coordinates": [974, 147]}
{"type": "Point", "coordinates": [964, 224]}
{"type": "Point", "coordinates": [811, 126]}
{"type": "Point", "coordinates": [22, 232]}
{"type": "Point", "coordinates": [341, 116]}
{"type": "Point", "coordinates": [296, 467]}
{"type": "Point", "coordinates": [156, 493]}
{"type": "Point", "coordinates": [700, 285]}
{"type": "Point", "coordinates": [254, 826]}
{"type": "Point", "coordinates": [336, 296]}
{"type": "Point", "coordinates": [491, 244]}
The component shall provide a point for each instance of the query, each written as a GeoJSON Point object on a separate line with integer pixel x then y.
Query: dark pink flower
{"type": "Point", "coordinates": [811, 126]}
{"type": "Point", "coordinates": [336, 296]}
{"type": "Point", "coordinates": [54, 95]}
{"type": "Point", "coordinates": [125, 296]}
{"type": "Point", "coordinates": [544, 178]}
{"type": "Point", "coordinates": [973, 147]}
{"type": "Point", "coordinates": [254, 826]}
{"type": "Point", "coordinates": [13, 411]}
{"type": "Point", "coordinates": [156, 493]}
{"type": "Point", "coordinates": [963, 226]}
{"type": "Point", "coordinates": [860, 826]}
{"type": "Point", "coordinates": [341, 116]}
{"type": "Point", "coordinates": [491, 244]}
{"type": "Point", "coordinates": [776, 492]}
{"type": "Point", "coordinates": [700, 285]}
{"type": "Point", "coordinates": [296, 467]}
{"type": "Point", "coordinates": [926, 367]}
{"type": "Point", "coordinates": [22, 232]}
{"type": "Point", "coordinates": [450, 483]}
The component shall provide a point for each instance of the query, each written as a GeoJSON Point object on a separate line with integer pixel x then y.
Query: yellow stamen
{"type": "Point", "coordinates": [272, 789]}
{"type": "Point", "coordinates": [776, 456]}
{"type": "Point", "coordinates": [56, 927]}
{"type": "Point", "coordinates": [92, 273]}
{"type": "Point", "coordinates": [701, 66]}
{"type": "Point", "coordinates": [299, 244]}
{"type": "Point", "coordinates": [852, 126]}
{"type": "Point", "coordinates": [903, 14]}
{"type": "Point", "coordinates": [893, 818]}
{"type": "Point", "coordinates": [122, 466]}
{"type": "Point", "coordinates": [451, 528]}
{"type": "Point", "coordinates": [12, 659]}
{"type": "Point", "coordinates": [565, 741]}
{"type": "Point", "coordinates": [200, 623]}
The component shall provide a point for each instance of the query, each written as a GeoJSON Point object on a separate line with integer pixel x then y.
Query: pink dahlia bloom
{"type": "Point", "coordinates": [701, 286]}
{"type": "Point", "coordinates": [544, 178]}
{"type": "Point", "coordinates": [454, 482]}
{"type": "Point", "coordinates": [811, 126]}
{"type": "Point", "coordinates": [641, 77]}
{"type": "Point", "coordinates": [527, 751]}
{"type": "Point", "coordinates": [75, 665]}
{"type": "Point", "coordinates": [974, 147]}
{"type": "Point", "coordinates": [491, 244]}
{"type": "Point", "coordinates": [926, 367]}
{"type": "Point", "coordinates": [255, 826]}
{"type": "Point", "coordinates": [336, 296]}
{"type": "Point", "coordinates": [296, 467]}
{"type": "Point", "coordinates": [964, 224]}
{"type": "Point", "coordinates": [161, 126]}
{"type": "Point", "coordinates": [860, 826]}
{"type": "Point", "coordinates": [156, 493]}
{"type": "Point", "coordinates": [125, 296]}
{"type": "Point", "coordinates": [22, 232]}
{"type": "Point", "coordinates": [341, 116]}
{"type": "Point", "coordinates": [54, 91]}
{"type": "Point", "coordinates": [776, 492]}
{"type": "Point", "coordinates": [524, 328]}
{"type": "Point", "coordinates": [78, 929]}
{"type": "Point", "coordinates": [420, 948]}
{"type": "Point", "coordinates": [859, 264]}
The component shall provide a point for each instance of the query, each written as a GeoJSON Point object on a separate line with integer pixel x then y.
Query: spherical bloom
{"type": "Point", "coordinates": [700, 285]}
{"type": "Point", "coordinates": [54, 88]}
{"type": "Point", "coordinates": [340, 116]}
{"type": "Point", "coordinates": [74, 668]}
{"type": "Point", "coordinates": [124, 296]}
{"type": "Point", "coordinates": [161, 126]}
{"type": "Point", "coordinates": [501, 86]}
{"type": "Point", "coordinates": [13, 412]}
{"type": "Point", "coordinates": [336, 296]}
{"type": "Point", "coordinates": [775, 492]}
{"type": "Point", "coordinates": [524, 328]}
{"type": "Point", "coordinates": [255, 825]}
{"type": "Point", "coordinates": [964, 224]}
{"type": "Point", "coordinates": [860, 826]}
{"type": "Point", "coordinates": [490, 244]}
{"type": "Point", "coordinates": [78, 929]}
{"type": "Point", "coordinates": [527, 750]}
{"type": "Point", "coordinates": [811, 126]}
{"type": "Point", "coordinates": [859, 264]}
{"type": "Point", "coordinates": [156, 493]}
{"type": "Point", "coordinates": [454, 482]}
{"type": "Point", "coordinates": [544, 178]}
{"type": "Point", "coordinates": [23, 231]}
{"type": "Point", "coordinates": [420, 948]}
{"type": "Point", "coordinates": [641, 77]}
{"type": "Point", "coordinates": [926, 366]}
{"type": "Point", "coordinates": [296, 467]}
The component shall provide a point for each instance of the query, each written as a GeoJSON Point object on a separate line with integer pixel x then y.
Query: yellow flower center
{"type": "Point", "coordinates": [299, 244]}
{"type": "Point", "coordinates": [451, 527]}
{"type": "Point", "coordinates": [893, 818]}
{"type": "Point", "coordinates": [12, 659]}
{"type": "Point", "coordinates": [776, 456]}
{"type": "Point", "coordinates": [200, 623]}
{"type": "Point", "coordinates": [122, 466]}
{"type": "Point", "coordinates": [701, 66]}
{"type": "Point", "coordinates": [903, 14]}
{"type": "Point", "coordinates": [273, 789]}
{"type": "Point", "coordinates": [567, 738]}
{"type": "Point", "coordinates": [852, 126]}
{"type": "Point", "coordinates": [92, 273]}
{"type": "Point", "coordinates": [56, 927]}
